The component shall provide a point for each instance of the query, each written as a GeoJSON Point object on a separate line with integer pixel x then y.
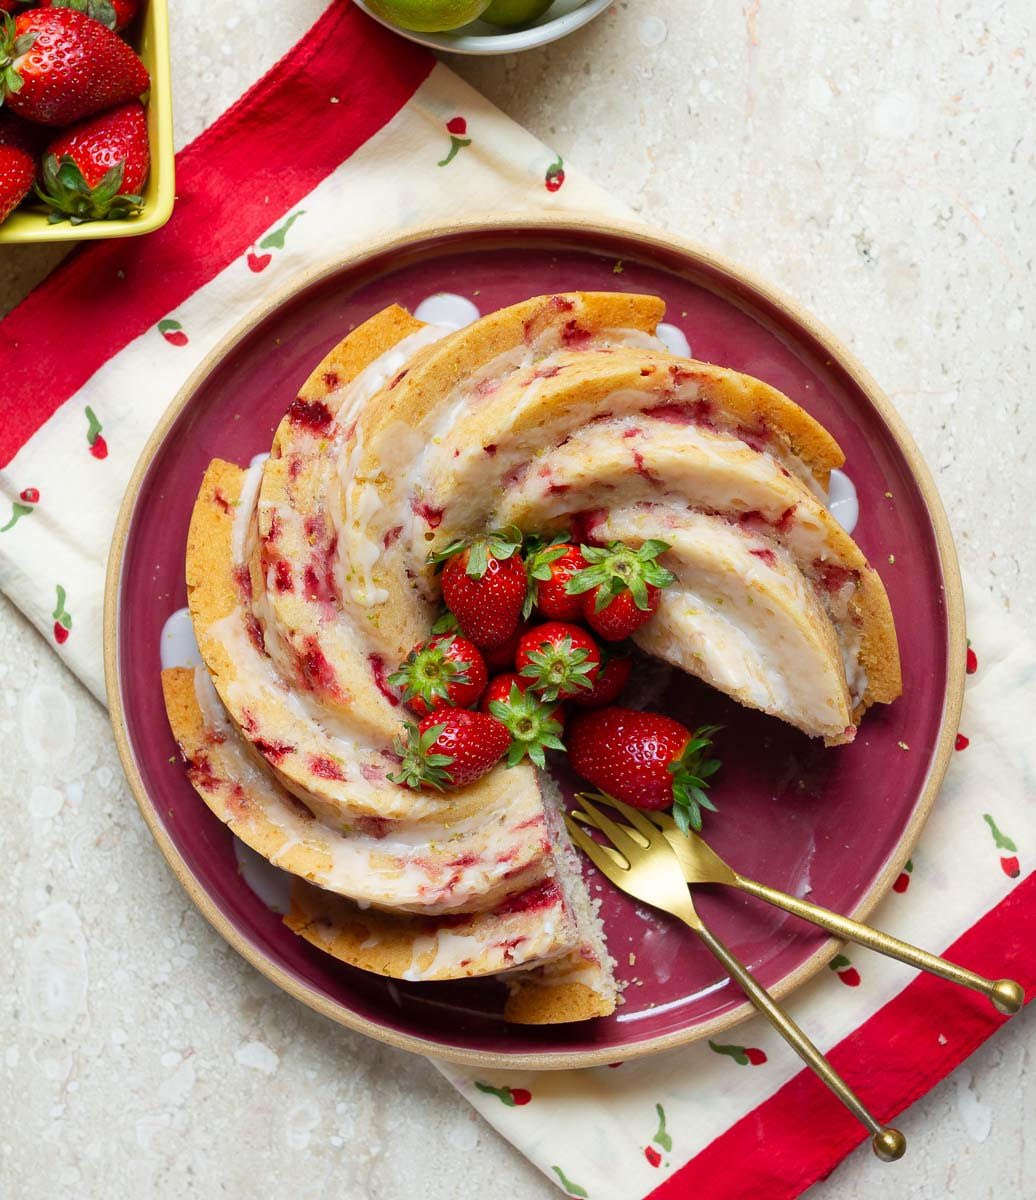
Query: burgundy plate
{"type": "Point", "coordinates": [792, 813]}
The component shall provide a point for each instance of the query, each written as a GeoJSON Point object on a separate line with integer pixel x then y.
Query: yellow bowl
{"type": "Point", "coordinates": [25, 225]}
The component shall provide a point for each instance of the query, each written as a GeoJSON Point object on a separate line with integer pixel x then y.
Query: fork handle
{"type": "Point", "coordinates": [888, 1144]}
{"type": "Point", "coordinates": [1005, 995]}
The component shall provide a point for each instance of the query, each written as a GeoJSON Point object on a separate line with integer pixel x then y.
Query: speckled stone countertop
{"type": "Point", "coordinates": [869, 158]}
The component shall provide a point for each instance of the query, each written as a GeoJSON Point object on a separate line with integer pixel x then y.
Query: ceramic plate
{"type": "Point", "coordinates": [479, 37]}
{"type": "Point", "coordinates": [836, 824]}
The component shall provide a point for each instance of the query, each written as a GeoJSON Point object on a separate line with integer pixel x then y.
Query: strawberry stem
{"type": "Point", "coordinates": [500, 543]}
{"type": "Point", "coordinates": [618, 568]}
{"type": "Point", "coordinates": [428, 672]}
{"type": "Point", "coordinates": [531, 724]}
{"type": "Point", "coordinates": [420, 767]}
{"type": "Point", "coordinates": [559, 668]}
{"type": "Point", "coordinates": [691, 774]}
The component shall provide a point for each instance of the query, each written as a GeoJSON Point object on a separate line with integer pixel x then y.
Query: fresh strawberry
{"type": "Point", "coordinates": [116, 14]}
{"type": "Point", "coordinates": [484, 585]}
{"type": "Point", "coordinates": [17, 171]}
{"type": "Point", "coordinates": [450, 748]}
{"type": "Point", "coordinates": [620, 587]}
{"type": "Point", "coordinates": [96, 170]}
{"type": "Point", "coordinates": [499, 688]}
{"type": "Point", "coordinates": [58, 66]}
{"type": "Point", "coordinates": [532, 724]}
{"type": "Point", "coordinates": [615, 673]}
{"type": "Point", "coordinates": [646, 759]}
{"type": "Point", "coordinates": [560, 659]}
{"type": "Point", "coordinates": [16, 132]}
{"type": "Point", "coordinates": [501, 658]}
{"type": "Point", "coordinates": [446, 672]}
{"type": "Point", "coordinates": [549, 568]}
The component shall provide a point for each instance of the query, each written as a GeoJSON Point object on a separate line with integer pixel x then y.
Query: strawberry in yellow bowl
{"type": "Point", "coordinates": [85, 120]}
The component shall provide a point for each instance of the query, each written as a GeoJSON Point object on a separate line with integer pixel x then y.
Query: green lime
{"type": "Point", "coordinates": [428, 16]}
{"type": "Point", "coordinates": [510, 13]}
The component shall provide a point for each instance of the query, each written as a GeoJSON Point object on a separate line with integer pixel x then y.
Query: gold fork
{"type": "Point", "coordinates": [701, 864]}
{"type": "Point", "coordinates": [648, 869]}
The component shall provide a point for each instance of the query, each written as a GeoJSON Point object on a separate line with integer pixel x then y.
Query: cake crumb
{"type": "Point", "coordinates": [902, 745]}
{"type": "Point", "coordinates": [632, 958]}
{"type": "Point", "coordinates": [618, 268]}
{"type": "Point", "coordinates": [892, 559]}
{"type": "Point", "coordinates": [888, 495]}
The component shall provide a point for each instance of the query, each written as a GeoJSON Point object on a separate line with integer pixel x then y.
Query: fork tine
{"type": "Point", "coordinates": [641, 822]}
{"type": "Point", "coordinates": [614, 832]}
{"type": "Point", "coordinates": [663, 820]}
{"type": "Point", "coordinates": [579, 815]}
{"type": "Point", "coordinates": [637, 819]}
{"type": "Point", "coordinates": [604, 858]}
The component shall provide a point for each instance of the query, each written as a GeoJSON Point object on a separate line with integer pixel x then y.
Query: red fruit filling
{"type": "Point", "coordinates": [326, 768]}
{"type": "Point", "coordinates": [313, 415]}
{"type": "Point", "coordinates": [542, 895]}
{"type": "Point", "coordinates": [427, 512]}
{"type": "Point", "coordinates": [377, 666]}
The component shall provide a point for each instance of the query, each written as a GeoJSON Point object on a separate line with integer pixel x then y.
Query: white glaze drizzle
{"type": "Point", "coordinates": [674, 339]}
{"type": "Point", "coordinates": [271, 885]}
{"type": "Point", "coordinates": [177, 645]}
{"type": "Point", "coordinates": [842, 500]}
{"type": "Point", "coordinates": [447, 309]}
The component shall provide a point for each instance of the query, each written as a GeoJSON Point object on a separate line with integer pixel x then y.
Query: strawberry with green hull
{"type": "Point", "coordinates": [116, 14]}
{"type": "Point", "coordinates": [499, 688]}
{"type": "Point", "coordinates": [620, 586]}
{"type": "Point", "coordinates": [96, 170]}
{"type": "Point", "coordinates": [484, 586]}
{"type": "Point", "coordinates": [549, 567]}
{"type": "Point", "coordinates": [533, 725]}
{"type": "Point", "coordinates": [614, 675]}
{"type": "Point", "coordinates": [450, 748]}
{"type": "Point", "coordinates": [559, 659]}
{"type": "Point", "coordinates": [446, 672]}
{"type": "Point", "coordinates": [646, 759]}
{"type": "Point", "coordinates": [17, 164]}
{"type": "Point", "coordinates": [58, 66]}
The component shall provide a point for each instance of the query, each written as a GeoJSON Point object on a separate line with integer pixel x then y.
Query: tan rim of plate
{"type": "Point", "coordinates": [654, 248]}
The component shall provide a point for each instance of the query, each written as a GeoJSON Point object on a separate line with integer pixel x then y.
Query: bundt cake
{"type": "Point", "coordinates": [310, 576]}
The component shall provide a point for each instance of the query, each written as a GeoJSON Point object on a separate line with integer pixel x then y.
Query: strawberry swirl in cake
{"type": "Point", "coordinates": [313, 574]}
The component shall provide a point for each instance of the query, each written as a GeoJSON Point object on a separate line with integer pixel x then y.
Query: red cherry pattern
{"type": "Point", "coordinates": [1009, 865]}
{"type": "Point", "coordinates": [744, 1056]}
{"type": "Point", "coordinates": [457, 128]}
{"type": "Point", "coordinates": [903, 878]}
{"type": "Point", "coordinates": [98, 446]}
{"type": "Point", "coordinates": [28, 498]}
{"type": "Point", "coordinates": [845, 971]}
{"type": "Point", "coordinates": [173, 332]}
{"type": "Point", "coordinates": [62, 618]}
{"type": "Point", "coordinates": [555, 175]}
{"type": "Point", "coordinates": [259, 257]}
{"type": "Point", "coordinates": [511, 1097]}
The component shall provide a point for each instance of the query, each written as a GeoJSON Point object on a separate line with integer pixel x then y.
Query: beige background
{"type": "Point", "coordinates": [872, 159]}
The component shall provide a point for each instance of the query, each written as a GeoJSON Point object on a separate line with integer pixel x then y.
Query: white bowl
{"type": "Point", "coordinates": [479, 37]}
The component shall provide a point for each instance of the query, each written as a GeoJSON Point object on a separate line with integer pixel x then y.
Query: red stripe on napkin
{"type": "Point", "coordinates": [259, 159]}
{"type": "Point", "coordinates": [801, 1133]}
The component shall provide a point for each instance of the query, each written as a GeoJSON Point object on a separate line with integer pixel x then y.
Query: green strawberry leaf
{"type": "Point", "coordinates": [275, 240]}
